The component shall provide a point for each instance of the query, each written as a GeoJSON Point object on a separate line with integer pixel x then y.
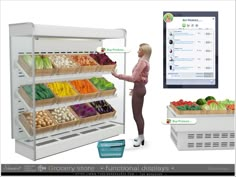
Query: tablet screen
{"type": "Point", "coordinates": [190, 49]}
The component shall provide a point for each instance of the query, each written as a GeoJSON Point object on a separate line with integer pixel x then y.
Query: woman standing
{"type": "Point", "coordinates": [140, 78]}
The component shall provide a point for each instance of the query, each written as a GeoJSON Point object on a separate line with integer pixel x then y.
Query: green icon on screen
{"type": "Point", "coordinates": [168, 17]}
{"type": "Point", "coordinates": [183, 25]}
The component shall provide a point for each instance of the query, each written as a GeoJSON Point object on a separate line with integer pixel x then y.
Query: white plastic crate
{"type": "Point", "coordinates": [211, 132]}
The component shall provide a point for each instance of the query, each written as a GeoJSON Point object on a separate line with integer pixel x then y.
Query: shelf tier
{"type": "Point", "coordinates": [55, 78]}
{"type": "Point", "coordinates": [58, 105]}
{"type": "Point", "coordinates": [62, 130]}
{"type": "Point", "coordinates": [69, 139]}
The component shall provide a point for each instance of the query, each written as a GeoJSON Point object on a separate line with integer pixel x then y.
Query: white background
{"type": "Point", "coordinates": [143, 22]}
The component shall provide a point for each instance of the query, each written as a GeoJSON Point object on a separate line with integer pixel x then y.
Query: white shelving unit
{"type": "Point", "coordinates": [211, 131]}
{"type": "Point", "coordinates": [32, 39]}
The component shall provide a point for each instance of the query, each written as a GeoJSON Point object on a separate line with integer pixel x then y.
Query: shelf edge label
{"type": "Point", "coordinates": [113, 50]}
{"type": "Point", "coordinates": [179, 121]}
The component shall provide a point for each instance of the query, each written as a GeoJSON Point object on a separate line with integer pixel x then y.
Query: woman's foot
{"type": "Point", "coordinates": [139, 142]}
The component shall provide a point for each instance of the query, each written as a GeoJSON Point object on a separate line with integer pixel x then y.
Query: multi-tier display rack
{"type": "Point", "coordinates": [32, 39]}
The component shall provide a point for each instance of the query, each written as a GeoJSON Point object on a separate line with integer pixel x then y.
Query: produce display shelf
{"type": "Point", "coordinates": [62, 77]}
{"type": "Point", "coordinates": [69, 139]}
{"type": "Point", "coordinates": [58, 105]}
{"type": "Point", "coordinates": [66, 129]}
{"type": "Point", "coordinates": [34, 39]}
{"type": "Point", "coordinates": [211, 132]}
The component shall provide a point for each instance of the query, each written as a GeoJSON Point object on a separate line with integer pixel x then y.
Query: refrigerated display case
{"type": "Point", "coordinates": [37, 130]}
{"type": "Point", "coordinates": [213, 131]}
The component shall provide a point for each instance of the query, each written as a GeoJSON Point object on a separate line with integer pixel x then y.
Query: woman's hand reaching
{"type": "Point", "coordinates": [115, 74]}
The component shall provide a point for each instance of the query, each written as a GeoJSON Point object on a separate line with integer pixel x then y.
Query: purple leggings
{"type": "Point", "coordinates": [139, 92]}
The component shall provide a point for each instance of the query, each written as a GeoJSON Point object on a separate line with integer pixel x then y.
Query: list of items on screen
{"type": "Point", "coordinates": [190, 50]}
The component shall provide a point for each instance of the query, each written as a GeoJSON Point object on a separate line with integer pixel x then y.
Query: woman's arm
{"type": "Point", "coordinates": [136, 72]}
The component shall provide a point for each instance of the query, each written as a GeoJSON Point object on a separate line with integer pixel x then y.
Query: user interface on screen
{"type": "Point", "coordinates": [190, 49]}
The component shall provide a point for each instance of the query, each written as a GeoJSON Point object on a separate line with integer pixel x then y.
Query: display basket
{"type": "Point", "coordinates": [177, 111]}
{"type": "Point", "coordinates": [111, 149]}
{"type": "Point", "coordinates": [86, 119]}
{"type": "Point", "coordinates": [218, 111]}
{"type": "Point", "coordinates": [38, 103]}
{"type": "Point", "coordinates": [64, 70]}
{"type": "Point", "coordinates": [68, 123]}
{"type": "Point", "coordinates": [86, 96]}
{"type": "Point", "coordinates": [26, 123]}
{"type": "Point", "coordinates": [107, 115]}
{"type": "Point", "coordinates": [104, 93]}
{"type": "Point", "coordinates": [38, 72]}
{"type": "Point", "coordinates": [64, 99]}
{"type": "Point", "coordinates": [86, 68]}
{"type": "Point", "coordinates": [107, 68]}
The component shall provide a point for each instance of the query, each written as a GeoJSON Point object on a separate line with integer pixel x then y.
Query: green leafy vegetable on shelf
{"type": "Point", "coordinates": [102, 84]}
{"type": "Point", "coordinates": [28, 59]}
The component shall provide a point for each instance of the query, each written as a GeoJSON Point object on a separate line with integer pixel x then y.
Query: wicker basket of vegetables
{"type": "Point", "coordinates": [85, 112]}
{"type": "Point", "coordinates": [43, 65]}
{"type": "Point", "coordinates": [105, 87]}
{"type": "Point", "coordinates": [85, 88]}
{"type": "Point", "coordinates": [86, 63]}
{"type": "Point", "coordinates": [43, 95]}
{"type": "Point", "coordinates": [106, 64]}
{"type": "Point", "coordinates": [64, 64]}
{"type": "Point", "coordinates": [64, 117]}
{"type": "Point", "coordinates": [43, 122]}
{"type": "Point", "coordinates": [64, 92]}
{"type": "Point", "coordinates": [186, 107]}
{"type": "Point", "coordinates": [104, 109]}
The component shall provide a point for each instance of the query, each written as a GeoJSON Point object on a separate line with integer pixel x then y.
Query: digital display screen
{"type": "Point", "coordinates": [190, 49]}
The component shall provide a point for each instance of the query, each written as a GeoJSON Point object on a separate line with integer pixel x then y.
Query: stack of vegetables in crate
{"type": "Point", "coordinates": [185, 107]}
{"type": "Point", "coordinates": [211, 105]}
{"type": "Point", "coordinates": [104, 61]}
{"type": "Point", "coordinates": [86, 63]}
{"type": "Point", "coordinates": [43, 95]}
{"type": "Point", "coordinates": [105, 87]}
{"type": "Point", "coordinates": [64, 64]}
{"type": "Point", "coordinates": [43, 122]}
{"type": "Point", "coordinates": [85, 89]}
{"type": "Point", "coordinates": [85, 112]}
{"type": "Point", "coordinates": [64, 117]}
{"type": "Point", "coordinates": [64, 91]}
{"type": "Point", "coordinates": [207, 105]}
{"type": "Point", "coordinates": [104, 109]}
{"type": "Point", "coordinates": [43, 65]}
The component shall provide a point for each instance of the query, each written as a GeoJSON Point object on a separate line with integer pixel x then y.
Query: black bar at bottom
{"type": "Point", "coordinates": [121, 174]}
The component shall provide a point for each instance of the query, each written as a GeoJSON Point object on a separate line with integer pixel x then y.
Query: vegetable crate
{"type": "Point", "coordinates": [38, 72]}
{"type": "Point", "coordinates": [27, 121]}
{"type": "Point", "coordinates": [64, 68]}
{"type": "Point", "coordinates": [111, 149]}
{"type": "Point", "coordinates": [29, 101]}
